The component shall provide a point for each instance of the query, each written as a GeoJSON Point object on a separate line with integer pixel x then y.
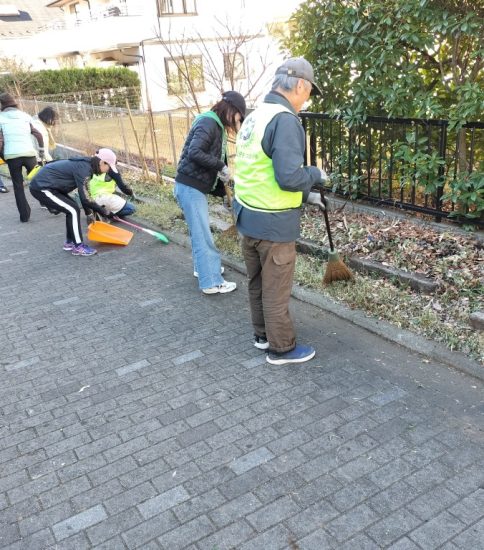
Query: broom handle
{"type": "Point", "coordinates": [127, 223]}
{"type": "Point", "coordinates": [326, 221]}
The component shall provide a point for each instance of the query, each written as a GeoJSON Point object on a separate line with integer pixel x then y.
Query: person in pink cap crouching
{"type": "Point", "coordinates": [53, 183]}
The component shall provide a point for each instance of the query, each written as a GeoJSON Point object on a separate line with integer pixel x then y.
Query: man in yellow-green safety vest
{"type": "Point", "coordinates": [271, 184]}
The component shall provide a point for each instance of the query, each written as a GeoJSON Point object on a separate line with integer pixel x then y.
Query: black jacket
{"type": "Point", "coordinates": [66, 175]}
{"type": "Point", "coordinates": [201, 156]}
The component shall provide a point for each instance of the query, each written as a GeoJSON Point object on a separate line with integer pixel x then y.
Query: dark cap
{"type": "Point", "coordinates": [237, 100]}
{"type": "Point", "coordinates": [298, 67]}
{"type": "Point", "coordinates": [7, 100]}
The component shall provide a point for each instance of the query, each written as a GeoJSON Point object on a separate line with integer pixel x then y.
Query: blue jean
{"type": "Point", "coordinates": [127, 210]}
{"type": "Point", "coordinates": [206, 257]}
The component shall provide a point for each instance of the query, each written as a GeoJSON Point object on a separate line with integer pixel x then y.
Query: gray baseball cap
{"type": "Point", "coordinates": [298, 67]}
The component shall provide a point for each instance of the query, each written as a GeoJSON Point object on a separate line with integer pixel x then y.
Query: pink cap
{"type": "Point", "coordinates": [108, 157]}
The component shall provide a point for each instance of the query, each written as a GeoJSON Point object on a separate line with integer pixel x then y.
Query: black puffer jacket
{"type": "Point", "coordinates": [201, 155]}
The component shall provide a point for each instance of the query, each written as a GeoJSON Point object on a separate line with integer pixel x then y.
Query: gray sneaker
{"type": "Point", "coordinates": [225, 287]}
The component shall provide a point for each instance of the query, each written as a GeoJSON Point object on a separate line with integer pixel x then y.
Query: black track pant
{"type": "Point", "coordinates": [62, 202]}
{"type": "Point", "coordinates": [15, 168]}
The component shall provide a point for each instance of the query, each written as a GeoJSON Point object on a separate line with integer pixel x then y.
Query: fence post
{"type": "Point", "coordinates": [172, 139]}
{"type": "Point", "coordinates": [441, 171]}
{"type": "Point", "coordinates": [92, 105]}
{"type": "Point", "coordinates": [312, 145]}
{"type": "Point", "coordinates": [87, 125]}
{"type": "Point", "coordinates": [305, 126]}
{"type": "Point", "coordinates": [126, 147]}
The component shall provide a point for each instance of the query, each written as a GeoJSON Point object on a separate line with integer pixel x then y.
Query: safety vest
{"type": "Point", "coordinates": [99, 186]}
{"type": "Point", "coordinates": [256, 186]}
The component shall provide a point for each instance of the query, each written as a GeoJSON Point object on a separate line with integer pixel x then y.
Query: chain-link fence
{"type": "Point", "coordinates": [89, 120]}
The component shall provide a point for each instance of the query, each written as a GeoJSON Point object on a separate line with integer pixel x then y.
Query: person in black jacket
{"type": "Point", "coordinates": [202, 169]}
{"type": "Point", "coordinates": [53, 183]}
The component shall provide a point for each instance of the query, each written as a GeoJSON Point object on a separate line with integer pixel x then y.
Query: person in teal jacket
{"type": "Point", "coordinates": [17, 149]}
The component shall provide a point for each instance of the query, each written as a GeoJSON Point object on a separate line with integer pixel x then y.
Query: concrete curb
{"type": "Point", "coordinates": [405, 338]}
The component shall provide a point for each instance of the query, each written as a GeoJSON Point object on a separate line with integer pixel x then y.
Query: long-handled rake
{"type": "Point", "coordinates": [155, 234]}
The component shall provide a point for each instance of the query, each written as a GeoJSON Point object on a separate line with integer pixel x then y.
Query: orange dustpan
{"type": "Point", "coordinates": [106, 233]}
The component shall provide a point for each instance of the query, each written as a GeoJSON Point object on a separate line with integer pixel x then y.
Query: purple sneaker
{"type": "Point", "coordinates": [83, 250]}
{"type": "Point", "coordinates": [69, 246]}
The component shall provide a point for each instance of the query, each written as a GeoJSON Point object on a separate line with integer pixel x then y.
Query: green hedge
{"type": "Point", "coordinates": [67, 81]}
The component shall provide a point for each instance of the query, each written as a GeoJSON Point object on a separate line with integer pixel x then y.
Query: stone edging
{"type": "Point", "coordinates": [386, 330]}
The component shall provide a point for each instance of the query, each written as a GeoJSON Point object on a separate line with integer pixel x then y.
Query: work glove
{"type": "Point", "coordinates": [41, 154]}
{"type": "Point", "coordinates": [90, 218]}
{"type": "Point", "coordinates": [323, 181]}
{"type": "Point", "coordinates": [129, 192]}
{"type": "Point", "coordinates": [102, 211]}
{"type": "Point", "coordinates": [224, 174]}
{"type": "Point", "coordinates": [315, 198]}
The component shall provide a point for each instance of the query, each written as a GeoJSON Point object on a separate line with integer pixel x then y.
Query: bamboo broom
{"type": "Point", "coordinates": [232, 230]}
{"type": "Point", "coordinates": [336, 269]}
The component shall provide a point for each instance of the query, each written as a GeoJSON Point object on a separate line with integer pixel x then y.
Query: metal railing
{"type": "Point", "coordinates": [399, 162]}
{"type": "Point", "coordinates": [115, 9]}
{"type": "Point", "coordinates": [406, 163]}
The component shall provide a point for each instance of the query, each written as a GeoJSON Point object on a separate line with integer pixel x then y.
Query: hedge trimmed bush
{"type": "Point", "coordinates": [67, 81]}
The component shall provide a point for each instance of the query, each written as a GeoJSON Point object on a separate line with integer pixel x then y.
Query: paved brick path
{"type": "Point", "coordinates": [135, 413]}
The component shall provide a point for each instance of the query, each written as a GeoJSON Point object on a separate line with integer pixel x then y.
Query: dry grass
{"type": "Point", "coordinates": [442, 317]}
{"type": "Point", "coordinates": [117, 133]}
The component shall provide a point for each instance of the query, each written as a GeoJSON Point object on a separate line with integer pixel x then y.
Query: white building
{"type": "Point", "coordinates": [221, 44]}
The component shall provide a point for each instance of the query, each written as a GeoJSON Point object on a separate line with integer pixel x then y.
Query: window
{"type": "Point", "coordinates": [177, 7]}
{"type": "Point", "coordinates": [234, 66]}
{"type": "Point", "coordinates": [180, 71]}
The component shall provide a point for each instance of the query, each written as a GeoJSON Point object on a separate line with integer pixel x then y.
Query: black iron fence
{"type": "Point", "coordinates": [413, 164]}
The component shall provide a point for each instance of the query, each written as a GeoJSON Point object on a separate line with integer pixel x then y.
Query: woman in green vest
{"type": "Point", "coordinates": [203, 170]}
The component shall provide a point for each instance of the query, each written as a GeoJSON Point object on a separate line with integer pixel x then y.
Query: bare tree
{"type": "Point", "coordinates": [17, 75]}
{"type": "Point", "coordinates": [224, 61]}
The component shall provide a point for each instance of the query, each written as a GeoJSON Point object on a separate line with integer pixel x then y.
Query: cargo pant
{"type": "Point", "coordinates": [270, 270]}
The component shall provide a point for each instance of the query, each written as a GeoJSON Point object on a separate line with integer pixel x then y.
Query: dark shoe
{"type": "Point", "coordinates": [299, 354]}
{"type": "Point", "coordinates": [3, 189]}
{"type": "Point", "coordinates": [260, 342]}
